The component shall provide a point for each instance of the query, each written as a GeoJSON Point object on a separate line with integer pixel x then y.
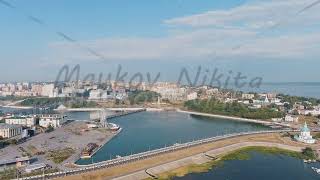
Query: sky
{"type": "Point", "coordinates": [277, 40]}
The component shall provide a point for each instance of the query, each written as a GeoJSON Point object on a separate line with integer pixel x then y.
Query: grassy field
{"type": "Point", "coordinates": [243, 153]}
{"type": "Point", "coordinates": [58, 156]}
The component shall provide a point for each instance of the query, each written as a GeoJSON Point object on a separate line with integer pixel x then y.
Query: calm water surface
{"type": "Point", "coordinates": [259, 167]}
{"type": "Point", "coordinates": [151, 130]}
{"type": "Point", "coordinates": [311, 89]}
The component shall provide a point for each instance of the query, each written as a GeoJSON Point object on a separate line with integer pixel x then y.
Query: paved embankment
{"type": "Point", "coordinates": [200, 159]}
{"type": "Point", "coordinates": [158, 152]}
{"type": "Point", "coordinates": [232, 118]}
{"type": "Point", "coordinates": [17, 107]}
{"type": "Point", "coordinates": [100, 109]}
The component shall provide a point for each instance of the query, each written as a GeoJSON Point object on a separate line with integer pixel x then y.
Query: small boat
{"type": "Point", "coordinates": [317, 170]}
{"type": "Point", "coordinates": [88, 151]}
{"type": "Point", "coordinates": [113, 127]}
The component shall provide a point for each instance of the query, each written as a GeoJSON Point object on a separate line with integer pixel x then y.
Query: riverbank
{"type": "Point", "coordinates": [110, 109]}
{"type": "Point", "coordinates": [17, 107]}
{"type": "Point", "coordinates": [239, 154]}
{"type": "Point", "coordinates": [193, 155]}
{"type": "Point", "coordinates": [204, 161]}
{"type": "Point", "coordinates": [263, 122]}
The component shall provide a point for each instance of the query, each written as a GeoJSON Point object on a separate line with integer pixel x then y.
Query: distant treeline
{"type": "Point", "coordinates": [139, 97]}
{"type": "Point", "coordinates": [214, 106]}
{"type": "Point", "coordinates": [11, 98]}
{"type": "Point", "coordinates": [43, 101]}
{"type": "Point", "coordinates": [294, 99]}
{"type": "Point", "coordinates": [68, 102]}
{"type": "Point", "coordinates": [81, 104]}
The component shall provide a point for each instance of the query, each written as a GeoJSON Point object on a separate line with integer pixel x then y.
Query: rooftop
{"type": "Point", "coordinates": [35, 166]}
{"type": "Point", "coordinates": [6, 126]}
{"type": "Point", "coordinates": [305, 128]}
{"type": "Point", "coordinates": [18, 117]}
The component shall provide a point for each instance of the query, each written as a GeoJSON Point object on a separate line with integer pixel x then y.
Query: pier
{"type": "Point", "coordinates": [99, 109]}
{"type": "Point", "coordinates": [124, 113]}
{"type": "Point", "coordinates": [258, 121]}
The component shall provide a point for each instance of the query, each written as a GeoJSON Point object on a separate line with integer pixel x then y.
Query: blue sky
{"type": "Point", "coordinates": [161, 36]}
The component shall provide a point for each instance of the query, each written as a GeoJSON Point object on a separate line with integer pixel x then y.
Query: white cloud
{"type": "Point", "coordinates": [255, 15]}
{"type": "Point", "coordinates": [216, 32]}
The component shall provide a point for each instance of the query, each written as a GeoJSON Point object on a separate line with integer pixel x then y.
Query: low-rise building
{"type": "Point", "coordinates": [9, 130]}
{"type": "Point", "coordinates": [14, 162]}
{"type": "Point", "coordinates": [212, 91]}
{"type": "Point", "coordinates": [95, 94]}
{"type": "Point", "coordinates": [172, 94]}
{"type": "Point", "coordinates": [47, 90]}
{"type": "Point", "coordinates": [23, 121]}
{"type": "Point", "coordinates": [313, 112]}
{"type": "Point", "coordinates": [54, 120]}
{"type": "Point", "coordinates": [305, 135]}
{"type": "Point", "coordinates": [291, 118]}
{"type": "Point", "coordinates": [192, 96]}
{"type": "Point", "coordinates": [35, 167]}
{"type": "Point", "coordinates": [276, 119]}
{"type": "Point", "coordinates": [247, 96]}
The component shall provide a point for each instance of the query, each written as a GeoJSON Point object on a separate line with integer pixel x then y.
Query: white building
{"type": "Point", "coordinates": [95, 94]}
{"type": "Point", "coordinates": [172, 94]}
{"type": "Point", "coordinates": [314, 112]}
{"type": "Point", "coordinates": [55, 120]}
{"type": "Point", "coordinates": [290, 118]}
{"type": "Point", "coordinates": [275, 100]}
{"type": "Point", "coordinates": [247, 96]}
{"type": "Point", "coordinates": [9, 130]}
{"type": "Point", "coordinates": [23, 121]}
{"type": "Point", "coordinates": [276, 119]}
{"type": "Point", "coordinates": [212, 91]}
{"type": "Point", "coordinates": [47, 90]}
{"type": "Point", "coordinates": [192, 96]}
{"type": "Point", "coordinates": [305, 135]}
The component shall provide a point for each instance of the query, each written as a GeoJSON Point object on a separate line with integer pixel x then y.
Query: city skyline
{"type": "Point", "coordinates": [257, 38]}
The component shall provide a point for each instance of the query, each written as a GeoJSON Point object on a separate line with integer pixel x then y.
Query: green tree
{"type": "Point", "coordinates": [309, 153]}
{"type": "Point", "coordinates": [231, 109]}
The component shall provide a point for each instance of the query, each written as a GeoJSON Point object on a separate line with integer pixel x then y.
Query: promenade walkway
{"type": "Point", "coordinates": [233, 118]}
{"type": "Point", "coordinates": [200, 159]}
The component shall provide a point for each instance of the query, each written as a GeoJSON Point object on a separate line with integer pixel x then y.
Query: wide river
{"type": "Point", "coordinates": [150, 130]}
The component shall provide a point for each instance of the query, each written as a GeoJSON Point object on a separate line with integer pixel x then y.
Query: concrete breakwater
{"type": "Point", "coordinates": [99, 109]}
{"type": "Point", "coordinates": [233, 118]}
{"type": "Point", "coordinates": [124, 113]}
